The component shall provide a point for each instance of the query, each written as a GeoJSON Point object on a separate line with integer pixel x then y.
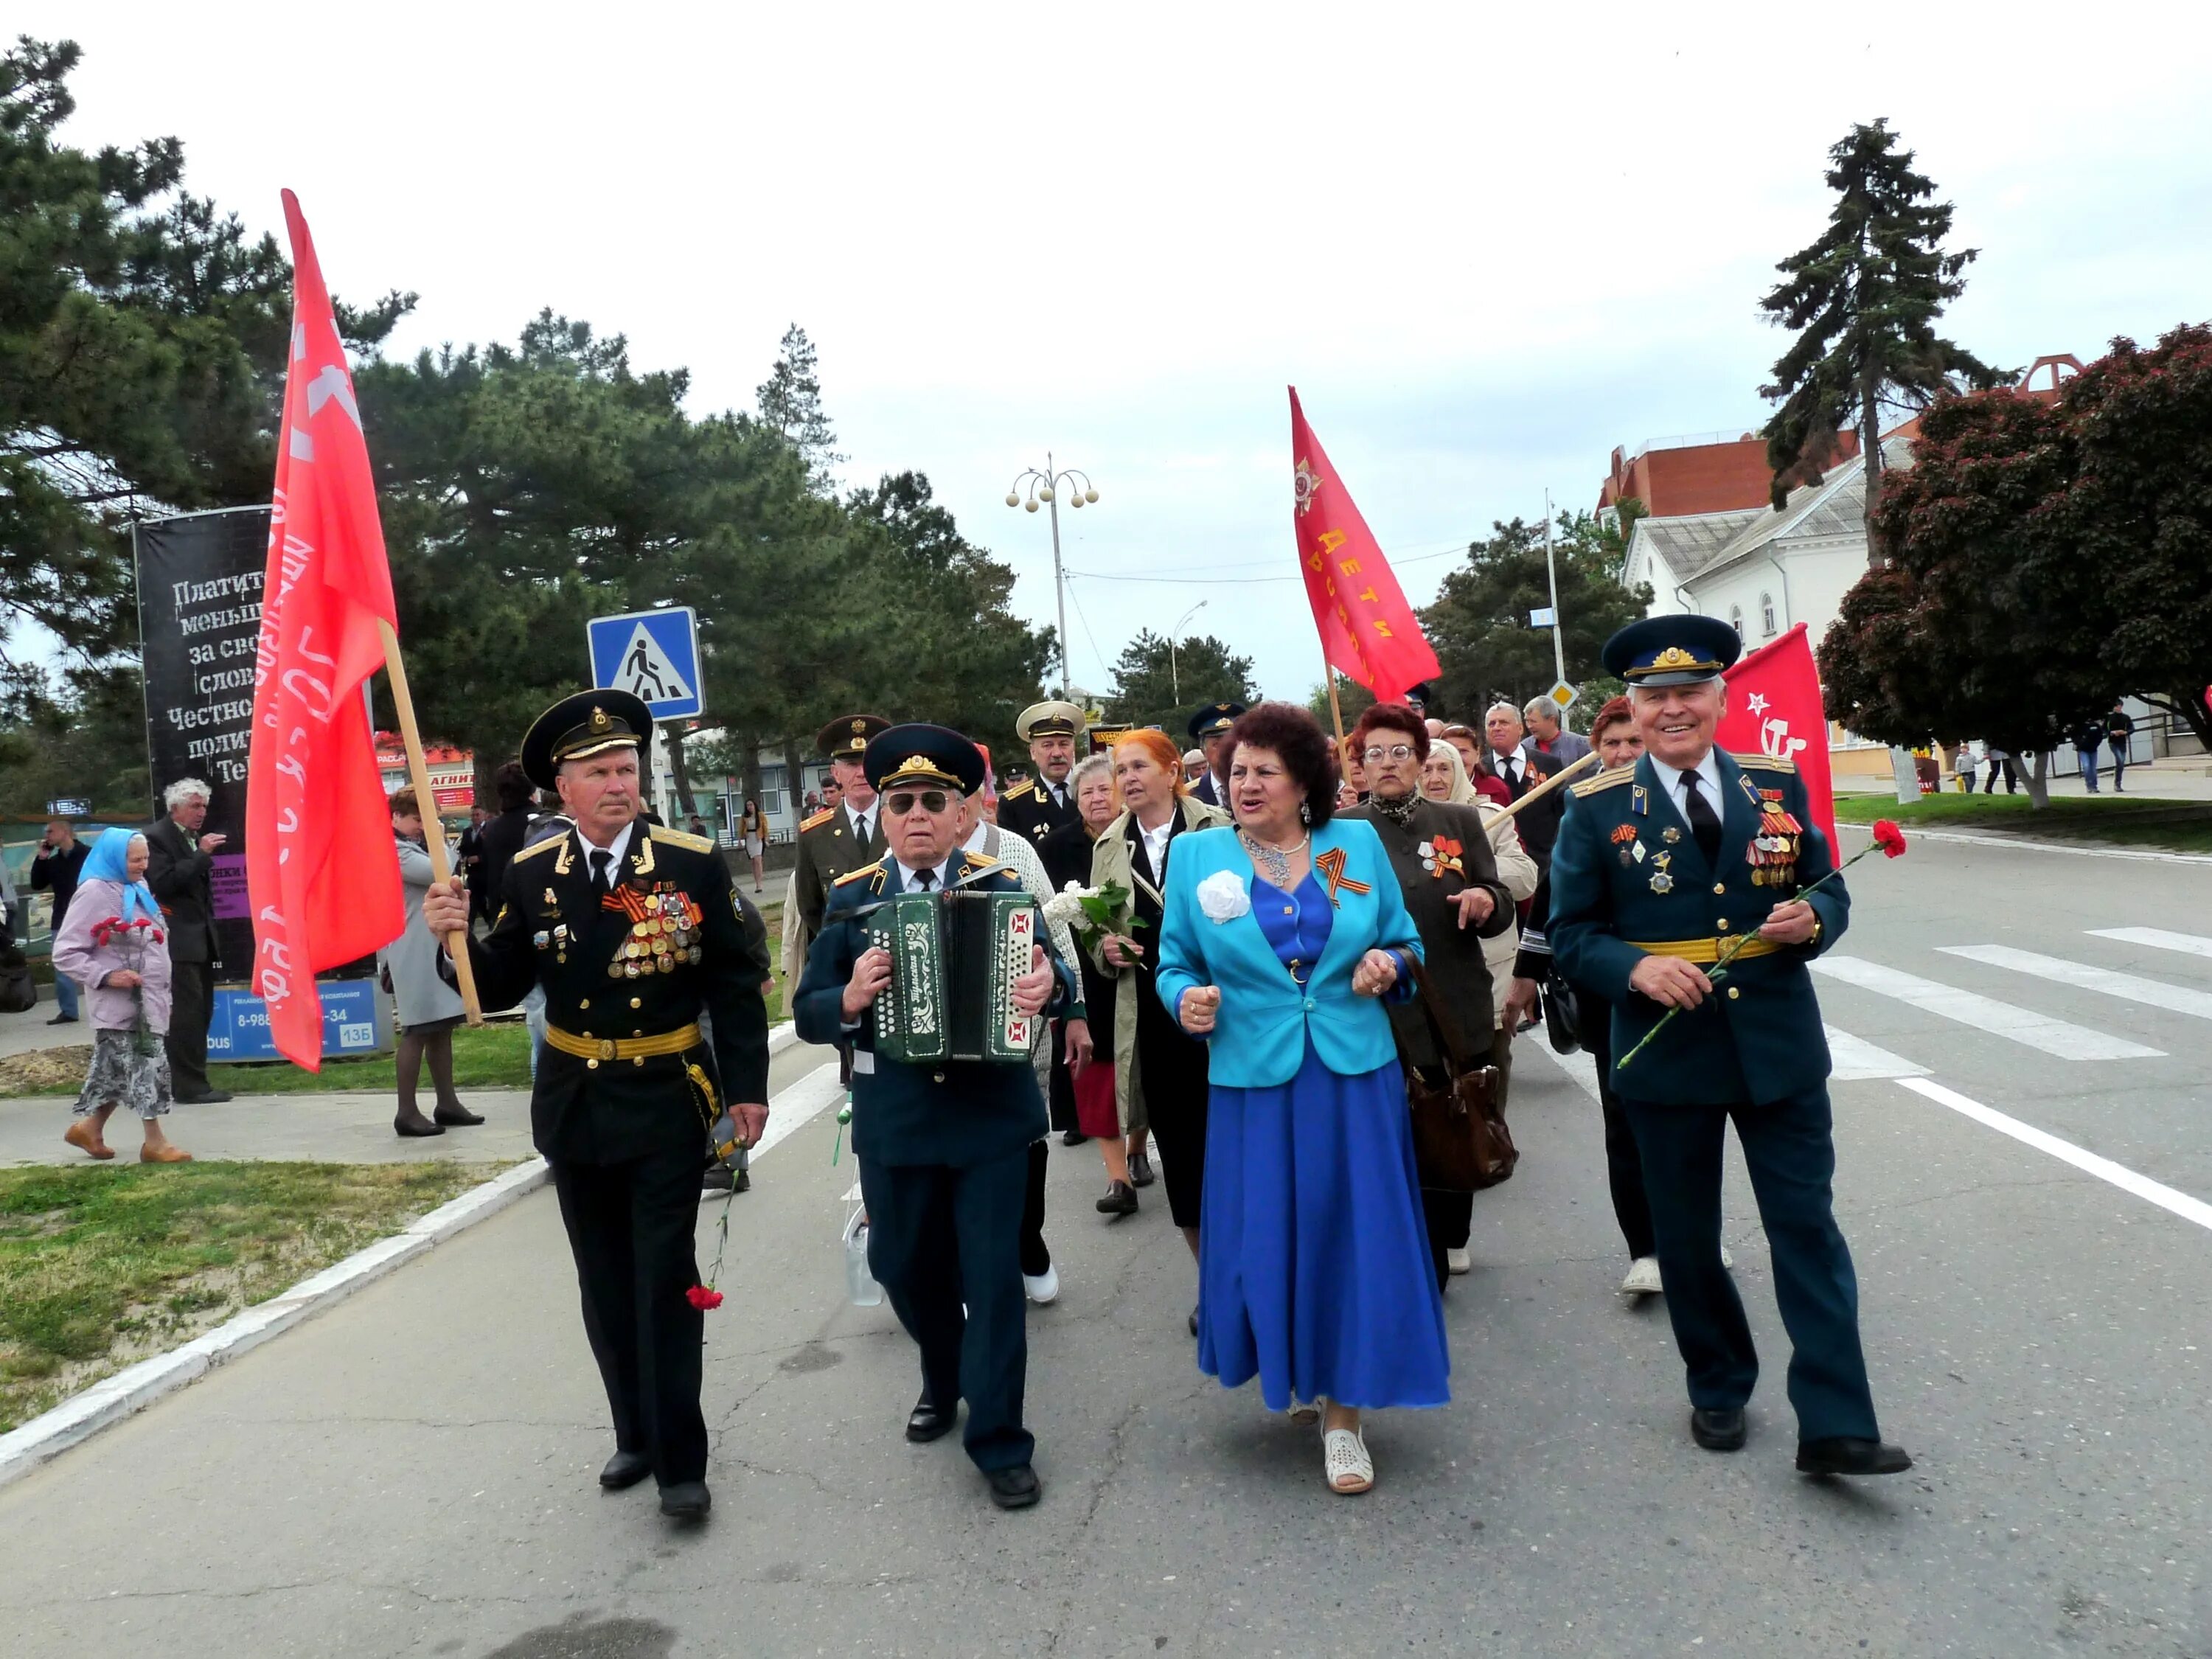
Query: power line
{"type": "Point", "coordinates": [1103, 666]}
{"type": "Point", "coordinates": [1455, 551]}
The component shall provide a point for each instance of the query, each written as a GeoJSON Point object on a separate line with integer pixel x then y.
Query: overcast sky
{"type": "Point", "coordinates": [1487, 244]}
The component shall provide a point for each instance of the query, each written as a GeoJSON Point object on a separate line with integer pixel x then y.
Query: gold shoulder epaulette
{"type": "Point", "coordinates": [860, 874]}
{"type": "Point", "coordinates": [1026, 787]}
{"type": "Point", "coordinates": [818, 820]}
{"type": "Point", "coordinates": [537, 846]}
{"type": "Point", "coordinates": [682, 838]}
{"type": "Point", "coordinates": [1764, 762]}
{"type": "Point", "coordinates": [977, 861]}
{"type": "Point", "coordinates": [1609, 780]}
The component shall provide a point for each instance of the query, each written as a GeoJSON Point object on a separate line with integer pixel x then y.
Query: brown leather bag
{"type": "Point", "coordinates": [1461, 1143]}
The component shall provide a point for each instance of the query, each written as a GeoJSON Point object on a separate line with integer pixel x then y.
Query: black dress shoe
{"type": "Point", "coordinates": [1718, 1431]}
{"type": "Point", "coordinates": [1194, 1322]}
{"type": "Point", "coordinates": [1013, 1489]}
{"type": "Point", "coordinates": [1140, 1172]}
{"type": "Point", "coordinates": [687, 1500]}
{"type": "Point", "coordinates": [925, 1423]}
{"type": "Point", "coordinates": [1121, 1200]}
{"type": "Point", "coordinates": [455, 1117]}
{"type": "Point", "coordinates": [624, 1470]}
{"type": "Point", "coordinates": [62, 1019]}
{"type": "Point", "coordinates": [1073, 1138]}
{"type": "Point", "coordinates": [416, 1127]}
{"type": "Point", "coordinates": [1844, 1454]}
{"type": "Point", "coordinates": [212, 1097]}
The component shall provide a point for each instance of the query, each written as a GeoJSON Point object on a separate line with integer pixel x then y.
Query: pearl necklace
{"type": "Point", "coordinates": [1275, 860]}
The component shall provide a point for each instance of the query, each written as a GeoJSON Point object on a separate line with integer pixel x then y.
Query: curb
{"type": "Point", "coordinates": [83, 1415]}
{"type": "Point", "coordinates": [2036, 844]}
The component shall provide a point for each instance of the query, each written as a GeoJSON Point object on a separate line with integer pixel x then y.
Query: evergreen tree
{"type": "Point", "coordinates": [791, 407]}
{"type": "Point", "coordinates": [1863, 301]}
{"type": "Point", "coordinates": [1157, 685]}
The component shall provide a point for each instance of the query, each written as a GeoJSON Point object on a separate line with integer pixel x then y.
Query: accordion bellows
{"type": "Point", "coordinates": [955, 957]}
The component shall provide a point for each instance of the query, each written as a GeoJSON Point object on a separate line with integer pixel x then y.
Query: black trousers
{"type": "Point", "coordinates": [191, 1005]}
{"type": "Point", "coordinates": [1624, 1165]}
{"type": "Point", "coordinates": [631, 1228]}
{"type": "Point", "coordinates": [939, 1237]}
{"type": "Point", "coordinates": [1789, 1150]}
{"type": "Point", "coordinates": [1171, 1071]}
{"type": "Point", "coordinates": [1059, 1097]}
{"type": "Point", "coordinates": [1035, 1258]}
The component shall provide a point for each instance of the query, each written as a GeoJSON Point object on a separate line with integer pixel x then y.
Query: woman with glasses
{"type": "Point", "coordinates": [1439, 850]}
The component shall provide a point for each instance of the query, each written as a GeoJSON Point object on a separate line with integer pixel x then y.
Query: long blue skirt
{"type": "Point", "coordinates": [1314, 1272]}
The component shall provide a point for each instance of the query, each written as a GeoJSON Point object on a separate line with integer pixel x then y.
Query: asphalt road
{"type": "Point", "coordinates": [412, 1473]}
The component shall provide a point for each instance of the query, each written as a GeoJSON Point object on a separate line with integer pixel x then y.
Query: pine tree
{"type": "Point", "coordinates": [791, 406]}
{"type": "Point", "coordinates": [1863, 301]}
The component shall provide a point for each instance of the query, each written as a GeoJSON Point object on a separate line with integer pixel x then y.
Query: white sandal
{"type": "Point", "coordinates": [1305, 1415]}
{"type": "Point", "coordinates": [1344, 1458]}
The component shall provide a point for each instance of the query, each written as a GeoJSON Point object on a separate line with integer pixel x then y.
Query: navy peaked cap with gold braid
{"type": "Point", "coordinates": [934, 756]}
{"type": "Point", "coordinates": [578, 727]}
{"type": "Point", "coordinates": [1672, 650]}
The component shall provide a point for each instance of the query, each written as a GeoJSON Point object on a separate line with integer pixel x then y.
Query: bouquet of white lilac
{"type": "Point", "coordinates": [1091, 913]}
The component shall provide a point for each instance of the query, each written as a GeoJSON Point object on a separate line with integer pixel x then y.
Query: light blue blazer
{"type": "Point", "coordinates": [1260, 1035]}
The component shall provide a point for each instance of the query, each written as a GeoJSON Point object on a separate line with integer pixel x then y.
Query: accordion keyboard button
{"type": "Point", "coordinates": [937, 1077]}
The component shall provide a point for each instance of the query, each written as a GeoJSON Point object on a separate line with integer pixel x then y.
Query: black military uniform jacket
{"type": "Point", "coordinates": [957, 1113]}
{"type": "Point", "coordinates": [1028, 810]}
{"type": "Point", "coordinates": [673, 939]}
{"type": "Point", "coordinates": [827, 851]}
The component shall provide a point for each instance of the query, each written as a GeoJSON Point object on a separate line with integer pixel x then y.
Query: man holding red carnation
{"type": "Point", "coordinates": [1690, 890]}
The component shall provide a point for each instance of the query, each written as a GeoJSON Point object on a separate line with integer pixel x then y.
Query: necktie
{"type": "Point", "coordinates": [860, 828]}
{"type": "Point", "coordinates": [1704, 823]}
{"type": "Point", "coordinates": [601, 858]}
{"type": "Point", "coordinates": [924, 879]}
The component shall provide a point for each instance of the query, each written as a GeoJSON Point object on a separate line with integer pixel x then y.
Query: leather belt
{"type": "Point", "coordinates": [598, 1048]}
{"type": "Point", "coordinates": [1703, 951]}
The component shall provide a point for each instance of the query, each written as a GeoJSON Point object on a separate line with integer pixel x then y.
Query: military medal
{"type": "Point", "coordinates": [1661, 881]}
{"type": "Point", "coordinates": [1670, 835]}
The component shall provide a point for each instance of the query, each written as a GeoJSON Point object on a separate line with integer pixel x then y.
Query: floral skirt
{"type": "Point", "coordinates": [120, 1076]}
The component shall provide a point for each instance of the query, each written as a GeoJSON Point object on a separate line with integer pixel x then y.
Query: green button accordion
{"type": "Point", "coordinates": [955, 957]}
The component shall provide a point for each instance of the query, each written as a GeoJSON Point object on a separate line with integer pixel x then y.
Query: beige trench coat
{"type": "Point", "coordinates": [1109, 862]}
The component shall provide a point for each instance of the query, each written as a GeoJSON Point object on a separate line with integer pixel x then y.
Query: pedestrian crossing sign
{"type": "Point", "coordinates": [652, 654]}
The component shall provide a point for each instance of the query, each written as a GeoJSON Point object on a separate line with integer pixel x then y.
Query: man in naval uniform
{"type": "Point", "coordinates": [1659, 867]}
{"type": "Point", "coordinates": [1040, 804]}
{"type": "Point", "coordinates": [839, 839]}
{"type": "Point", "coordinates": [943, 1148]}
{"type": "Point", "coordinates": [633, 931]}
{"type": "Point", "coordinates": [1209, 730]}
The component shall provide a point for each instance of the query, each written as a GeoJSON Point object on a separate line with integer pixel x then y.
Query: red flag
{"type": "Point", "coordinates": [1368, 631]}
{"type": "Point", "coordinates": [1774, 708]}
{"type": "Point", "coordinates": [321, 872]}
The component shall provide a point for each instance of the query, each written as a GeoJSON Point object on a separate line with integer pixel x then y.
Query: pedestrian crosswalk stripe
{"type": "Point", "coordinates": [2052, 1037]}
{"type": "Point", "coordinates": [2130, 987]}
{"type": "Point", "coordinates": [1856, 1060]}
{"type": "Point", "coordinates": [2195, 944]}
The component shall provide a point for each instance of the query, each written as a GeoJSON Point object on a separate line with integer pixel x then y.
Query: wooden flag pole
{"type": "Point", "coordinates": [434, 837]}
{"type": "Point", "coordinates": [1558, 779]}
{"type": "Point", "coordinates": [1335, 714]}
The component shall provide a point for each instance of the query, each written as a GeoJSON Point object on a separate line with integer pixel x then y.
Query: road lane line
{"type": "Point", "coordinates": [797, 1104]}
{"type": "Point", "coordinates": [2179, 1203]}
{"type": "Point", "coordinates": [2157, 938]}
{"type": "Point", "coordinates": [1857, 1060]}
{"type": "Point", "coordinates": [2052, 1037]}
{"type": "Point", "coordinates": [2128, 987]}
{"type": "Point", "coordinates": [2030, 844]}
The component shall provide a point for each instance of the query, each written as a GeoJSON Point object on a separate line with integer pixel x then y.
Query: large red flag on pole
{"type": "Point", "coordinates": [1774, 708]}
{"type": "Point", "coordinates": [1368, 631]}
{"type": "Point", "coordinates": [322, 875]}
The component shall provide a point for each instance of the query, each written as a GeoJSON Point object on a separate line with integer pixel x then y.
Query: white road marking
{"type": "Point", "coordinates": [2129, 987]}
{"type": "Point", "coordinates": [1856, 1060]}
{"type": "Point", "coordinates": [2179, 1203]}
{"type": "Point", "coordinates": [1579, 1066]}
{"type": "Point", "coordinates": [797, 1104]}
{"type": "Point", "coordinates": [2031, 844]}
{"type": "Point", "coordinates": [2157, 938]}
{"type": "Point", "coordinates": [2052, 1037]}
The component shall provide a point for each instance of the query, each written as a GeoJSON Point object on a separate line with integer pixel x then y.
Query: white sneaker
{"type": "Point", "coordinates": [1643, 1277]}
{"type": "Point", "coordinates": [1043, 1287]}
{"type": "Point", "coordinates": [1458, 1262]}
{"type": "Point", "coordinates": [1727, 1260]}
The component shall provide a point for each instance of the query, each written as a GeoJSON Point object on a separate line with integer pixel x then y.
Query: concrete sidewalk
{"type": "Point", "coordinates": [333, 1128]}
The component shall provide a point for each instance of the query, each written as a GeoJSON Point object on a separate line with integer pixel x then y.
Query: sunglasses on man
{"type": "Point", "coordinates": [932, 801]}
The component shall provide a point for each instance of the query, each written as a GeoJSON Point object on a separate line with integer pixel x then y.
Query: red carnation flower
{"type": "Point", "coordinates": [157, 936]}
{"type": "Point", "coordinates": [1889, 838]}
{"type": "Point", "coordinates": [700, 1297]}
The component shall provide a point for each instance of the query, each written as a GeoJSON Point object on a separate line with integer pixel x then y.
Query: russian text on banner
{"type": "Point", "coordinates": [1774, 708]}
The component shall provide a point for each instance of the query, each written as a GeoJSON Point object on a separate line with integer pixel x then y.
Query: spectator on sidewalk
{"type": "Point", "coordinates": [471, 855]}
{"type": "Point", "coordinates": [1964, 765]}
{"type": "Point", "coordinates": [1547, 737]}
{"type": "Point", "coordinates": [2089, 739]}
{"type": "Point", "coordinates": [127, 974]}
{"type": "Point", "coordinates": [500, 839]}
{"type": "Point", "coordinates": [2119, 728]}
{"type": "Point", "coordinates": [56, 868]}
{"type": "Point", "coordinates": [428, 1007]}
{"type": "Point", "coordinates": [2000, 760]}
{"type": "Point", "coordinates": [752, 831]}
{"type": "Point", "coordinates": [179, 871]}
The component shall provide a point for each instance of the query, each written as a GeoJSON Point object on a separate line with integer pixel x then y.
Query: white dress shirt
{"type": "Point", "coordinates": [1512, 768]}
{"type": "Point", "coordinates": [1156, 846]}
{"type": "Point", "coordinates": [871, 813]}
{"type": "Point", "coordinates": [619, 846]}
{"type": "Point", "coordinates": [907, 874]}
{"type": "Point", "coordinates": [1709, 784]}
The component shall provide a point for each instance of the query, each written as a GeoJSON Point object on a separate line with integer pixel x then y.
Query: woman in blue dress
{"type": "Point", "coordinates": [1277, 941]}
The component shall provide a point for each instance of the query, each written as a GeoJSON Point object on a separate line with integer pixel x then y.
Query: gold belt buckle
{"type": "Point", "coordinates": [606, 1048]}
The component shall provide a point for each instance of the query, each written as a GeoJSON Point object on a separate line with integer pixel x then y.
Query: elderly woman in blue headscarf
{"type": "Point", "coordinates": [115, 943]}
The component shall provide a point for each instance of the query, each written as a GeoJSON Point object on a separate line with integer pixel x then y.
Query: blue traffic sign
{"type": "Point", "coordinates": [652, 654]}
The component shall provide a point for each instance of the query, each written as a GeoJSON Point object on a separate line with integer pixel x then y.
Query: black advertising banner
{"type": "Point", "coordinates": [199, 623]}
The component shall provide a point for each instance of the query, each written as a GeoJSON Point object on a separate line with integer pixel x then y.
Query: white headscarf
{"type": "Point", "coordinates": [1462, 786]}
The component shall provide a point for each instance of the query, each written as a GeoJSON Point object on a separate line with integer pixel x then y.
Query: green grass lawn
{"type": "Point", "coordinates": [102, 1267]}
{"type": "Point", "coordinates": [2117, 820]}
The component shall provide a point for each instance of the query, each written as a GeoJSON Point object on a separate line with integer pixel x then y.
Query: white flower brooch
{"type": "Point", "coordinates": [1223, 896]}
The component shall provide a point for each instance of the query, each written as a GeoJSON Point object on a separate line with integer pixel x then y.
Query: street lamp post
{"type": "Point", "coordinates": [1043, 488]}
{"type": "Point", "coordinates": [1174, 674]}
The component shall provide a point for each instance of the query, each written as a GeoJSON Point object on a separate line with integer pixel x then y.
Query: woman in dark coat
{"type": "Point", "coordinates": [1087, 1103]}
{"type": "Point", "coordinates": [1441, 854]}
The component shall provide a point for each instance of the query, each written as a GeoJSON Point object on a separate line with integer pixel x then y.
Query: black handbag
{"type": "Point", "coordinates": [19, 993]}
{"type": "Point", "coordinates": [1562, 1013]}
{"type": "Point", "coordinates": [1461, 1143]}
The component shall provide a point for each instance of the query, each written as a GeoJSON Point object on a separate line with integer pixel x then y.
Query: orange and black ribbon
{"type": "Point", "coordinates": [1331, 865]}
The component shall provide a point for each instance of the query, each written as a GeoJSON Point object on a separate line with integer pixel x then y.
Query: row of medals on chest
{"type": "Point", "coordinates": [655, 945]}
{"type": "Point", "coordinates": [1772, 854]}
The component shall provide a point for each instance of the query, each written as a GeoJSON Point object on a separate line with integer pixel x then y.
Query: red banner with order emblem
{"type": "Point", "coordinates": [1368, 631]}
{"type": "Point", "coordinates": [1774, 708]}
